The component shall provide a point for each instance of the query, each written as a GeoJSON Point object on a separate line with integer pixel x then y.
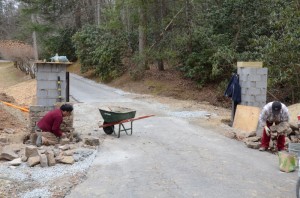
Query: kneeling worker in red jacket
{"type": "Point", "coordinates": [48, 128]}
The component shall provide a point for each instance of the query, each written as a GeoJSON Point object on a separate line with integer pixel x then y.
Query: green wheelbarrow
{"type": "Point", "coordinates": [118, 117]}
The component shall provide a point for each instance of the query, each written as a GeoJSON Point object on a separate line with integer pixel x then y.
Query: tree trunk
{"type": "Point", "coordinates": [78, 16]}
{"type": "Point", "coordinates": [142, 35]}
{"type": "Point", "coordinates": [158, 20]}
{"type": "Point", "coordinates": [98, 7]}
{"type": "Point", "coordinates": [189, 24]}
{"type": "Point", "coordinates": [35, 50]}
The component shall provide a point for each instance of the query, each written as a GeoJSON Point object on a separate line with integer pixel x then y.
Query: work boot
{"type": "Point", "coordinates": [262, 149]}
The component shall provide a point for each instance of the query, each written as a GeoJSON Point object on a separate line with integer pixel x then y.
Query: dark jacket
{"type": "Point", "coordinates": [233, 90]}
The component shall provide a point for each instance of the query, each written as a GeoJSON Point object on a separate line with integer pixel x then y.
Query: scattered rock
{"type": "Point", "coordinates": [68, 153]}
{"type": "Point", "coordinates": [230, 134]}
{"type": "Point", "coordinates": [66, 160]}
{"type": "Point", "coordinates": [15, 162]}
{"type": "Point", "coordinates": [31, 151]}
{"type": "Point", "coordinates": [4, 140]}
{"type": "Point", "coordinates": [50, 158]}
{"type": "Point", "coordinates": [92, 141]}
{"type": "Point", "coordinates": [43, 160]}
{"type": "Point", "coordinates": [24, 158]}
{"type": "Point", "coordinates": [253, 139]}
{"type": "Point", "coordinates": [253, 145]}
{"type": "Point", "coordinates": [64, 141]}
{"type": "Point", "coordinates": [294, 126]}
{"type": "Point", "coordinates": [243, 134]}
{"type": "Point", "coordinates": [9, 131]}
{"type": "Point", "coordinates": [280, 128]}
{"type": "Point", "coordinates": [8, 154]}
{"type": "Point", "coordinates": [32, 161]}
{"type": "Point", "coordinates": [64, 147]}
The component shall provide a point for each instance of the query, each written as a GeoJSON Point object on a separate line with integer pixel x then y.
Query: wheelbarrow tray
{"type": "Point", "coordinates": [117, 116]}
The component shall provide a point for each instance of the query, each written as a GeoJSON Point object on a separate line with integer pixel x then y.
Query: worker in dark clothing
{"type": "Point", "coordinates": [48, 128]}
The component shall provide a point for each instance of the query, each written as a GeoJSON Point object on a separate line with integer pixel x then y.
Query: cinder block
{"type": "Point", "coordinates": [243, 77]}
{"type": "Point", "coordinates": [42, 76]}
{"type": "Point", "coordinates": [263, 91]}
{"type": "Point", "coordinates": [240, 71]}
{"type": "Point", "coordinates": [261, 98]}
{"type": "Point", "coordinates": [43, 68]}
{"type": "Point", "coordinates": [261, 84]}
{"type": "Point", "coordinates": [243, 91]}
{"type": "Point", "coordinates": [262, 71]}
{"type": "Point", "coordinates": [47, 85]}
{"type": "Point", "coordinates": [248, 98]}
{"type": "Point", "coordinates": [53, 76]}
{"type": "Point", "coordinates": [254, 78]}
{"type": "Point", "coordinates": [262, 104]}
{"type": "Point", "coordinates": [42, 93]}
{"type": "Point", "coordinates": [245, 84]}
{"type": "Point", "coordinates": [249, 70]}
{"type": "Point", "coordinates": [264, 78]}
{"type": "Point", "coordinates": [253, 91]}
{"type": "Point", "coordinates": [244, 103]}
{"type": "Point", "coordinates": [52, 93]}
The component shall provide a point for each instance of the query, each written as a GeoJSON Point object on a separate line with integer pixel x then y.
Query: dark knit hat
{"type": "Point", "coordinates": [276, 107]}
{"type": "Point", "coordinates": [66, 107]}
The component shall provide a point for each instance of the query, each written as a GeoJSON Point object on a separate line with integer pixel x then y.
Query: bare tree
{"type": "Point", "coordinates": [142, 34]}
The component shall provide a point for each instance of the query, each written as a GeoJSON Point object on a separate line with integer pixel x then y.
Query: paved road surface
{"type": "Point", "coordinates": [167, 156]}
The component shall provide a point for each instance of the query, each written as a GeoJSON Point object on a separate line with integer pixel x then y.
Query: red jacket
{"type": "Point", "coordinates": [51, 122]}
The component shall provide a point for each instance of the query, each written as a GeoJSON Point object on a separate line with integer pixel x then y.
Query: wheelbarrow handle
{"type": "Point", "coordinates": [123, 121]}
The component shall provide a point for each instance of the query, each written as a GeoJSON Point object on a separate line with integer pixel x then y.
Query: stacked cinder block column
{"type": "Point", "coordinates": [253, 82]}
{"type": "Point", "coordinates": [49, 89]}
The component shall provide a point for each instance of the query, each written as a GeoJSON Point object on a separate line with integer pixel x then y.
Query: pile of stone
{"type": "Point", "coordinates": [46, 155]}
{"type": "Point", "coordinates": [290, 130]}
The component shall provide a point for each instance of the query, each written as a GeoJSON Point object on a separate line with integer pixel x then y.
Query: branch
{"type": "Point", "coordinates": [166, 28]}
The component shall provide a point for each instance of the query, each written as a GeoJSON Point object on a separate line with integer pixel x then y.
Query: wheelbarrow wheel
{"type": "Point", "coordinates": [109, 129]}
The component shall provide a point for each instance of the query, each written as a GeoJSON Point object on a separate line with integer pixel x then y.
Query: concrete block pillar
{"type": "Point", "coordinates": [253, 82]}
{"type": "Point", "coordinates": [51, 82]}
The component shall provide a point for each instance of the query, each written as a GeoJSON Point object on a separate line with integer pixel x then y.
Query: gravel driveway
{"type": "Point", "coordinates": [171, 154]}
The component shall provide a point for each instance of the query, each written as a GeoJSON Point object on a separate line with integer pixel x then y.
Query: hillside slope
{"type": "Point", "coordinates": [170, 83]}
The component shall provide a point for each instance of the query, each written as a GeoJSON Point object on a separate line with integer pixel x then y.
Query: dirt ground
{"type": "Point", "coordinates": [17, 89]}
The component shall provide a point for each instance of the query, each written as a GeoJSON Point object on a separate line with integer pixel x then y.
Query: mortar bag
{"type": "Point", "coordinates": [287, 161]}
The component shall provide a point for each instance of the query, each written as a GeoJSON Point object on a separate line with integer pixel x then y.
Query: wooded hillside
{"type": "Point", "coordinates": [204, 39]}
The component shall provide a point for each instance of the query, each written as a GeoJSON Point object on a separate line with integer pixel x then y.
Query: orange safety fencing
{"type": "Point", "coordinates": [17, 107]}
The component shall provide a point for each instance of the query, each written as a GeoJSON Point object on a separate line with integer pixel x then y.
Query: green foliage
{"type": "Point", "coordinates": [204, 39]}
{"type": "Point", "coordinates": [209, 58]}
{"type": "Point", "coordinates": [280, 51]}
{"type": "Point", "coordinates": [101, 50]}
